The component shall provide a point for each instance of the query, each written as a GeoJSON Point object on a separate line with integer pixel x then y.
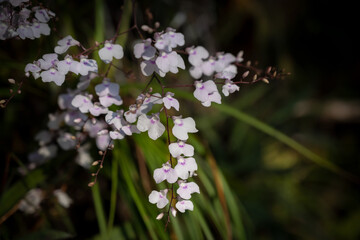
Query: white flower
{"type": "Point", "coordinates": [184, 205]}
{"type": "Point", "coordinates": [62, 197]}
{"type": "Point", "coordinates": [181, 148]}
{"type": "Point", "coordinates": [31, 203]}
{"type": "Point", "coordinates": [82, 102]}
{"type": "Point", "coordinates": [68, 64]}
{"type": "Point", "coordinates": [223, 61]}
{"type": "Point", "coordinates": [66, 141]}
{"type": "Point", "coordinates": [148, 67]}
{"type": "Point", "coordinates": [183, 126]}
{"type": "Point", "coordinates": [151, 124]}
{"type": "Point", "coordinates": [40, 28]}
{"type": "Point", "coordinates": [229, 87]}
{"type": "Point", "coordinates": [144, 50]}
{"type": "Point", "coordinates": [96, 110]}
{"type": "Point", "coordinates": [48, 60]}
{"type": "Point", "coordinates": [53, 75]}
{"type": "Point", "coordinates": [169, 62]}
{"type": "Point", "coordinates": [196, 55]}
{"type": "Point", "coordinates": [114, 118]}
{"type": "Point", "coordinates": [86, 65]}
{"type": "Point", "coordinates": [186, 189]}
{"type": "Point", "coordinates": [110, 51]}
{"type": "Point", "coordinates": [116, 135]}
{"type": "Point", "coordinates": [184, 166]}
{"type": "Point", "coordinates": [65, 43]}
{"type": "Point", "coordinates": [169, 101]}
{"type": "Point", "coordinates": [165, 172]}
{"type": "Point", "coordinates": [207, 92]}
{"type": "Point", "coordinates": [159, 198]}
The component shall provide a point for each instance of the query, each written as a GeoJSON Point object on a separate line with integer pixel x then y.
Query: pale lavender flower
{"type": "Point", "coordinates": [114, 118]}
{"type": "Point", "coordinates": [186, 189]}
{"type": "Point", "coordinates": [55, 120]}
{"type": "Point", "coordinates": [42, 155]}
{"type": "Point", "coordinates": [85, 81]}
{"type": "Point", "coordinates": [32, 67]}
{"type": "Point", "coordinates": [184, 205]}
{"type": "Point", "coordinates": [94, 128]}
{"type": "Point", "coordinates": [166, 172]}
{"type": "Point", "coordinates": [181, 148]}
{"type": "Point", "coordinates": [82, 102]}
{"type": "Point", "coordinates": [65, 44]}
{"type": "Point", "coordinates": [84, 158]}
{"type": "Point", "coordinates": [173, 38]}
{"type": "Point", "coordinates": [132, 114]}
{"type": "Point", "coordinates": [223, 61]}
{"type": "Point", "coordinates": [183, 126]}
{"type": "Point", "coordinates": [25, 31]}
{"type": "Point", "coordinates": [144, 50]}
{"type": "Point", "coordinates": [170, 101]}
{"type": "Point", "coordinates": [196, 55]}
{"type": "Point", "coordinates": [110, 51]}
{"type": "Point", "coordinates": [207, 92]}
{"type": "Point", "coordinates": [40, 28]}
{"type": "Point", "coordinates": [208, 67]}
{"type": "Point", "coordinates": [43, 15]}
{"type": "Point", "coordinates": [17, 3]}
{"type": "Point", "coordinates": [64, 100]}
{"type": "Point", "coordinates": [148, 67]}
{"type": "Point", "coordinates": [103, 141]}
{"type": "Point", "coordinates": [239, 56]}
{"type": "Point", "coordinates": [184, 166]}
{"type": "Point", "coordinates": [116, 135]}
{"type": "Point", "coordinates": [68, 64]}
{"type": "Point", "coordinates": [107, 88]}
{"type": "Point", "coordinates": [53, 75]}
{"type": "Point", "coordinates": [229, 87]}
{"type": "Point", "coordinates": [159, 198]}
{"type": "Point", "coordinates": [97, 109]}
{"type": "Point", "coordinates": [151, 124]}
{"type": "Point", "coordinates": [109, 100]}
{"type": "Point", "coordinates": [75, 118]}
{"type": "Point", "coordinates": [86, 65]}
{"type": "Point", "coordinates": [66, 141]}
{"type": "Point", "coordinates": [148, 102]}
{"type": "Point", "coordinates": [48, 60]}
{"type": "Point", "coordinates": [169, 62]}
{"type": "Point", "coordinates": [228, 73]}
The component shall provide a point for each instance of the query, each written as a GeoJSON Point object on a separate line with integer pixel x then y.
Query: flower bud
{"type": "Point", "coordinates": [173, 211]}
{"type": "Point", "coordinates": [145, 28]}
{"type": "Point", "coordinates": [245, 74]}
{"type": "Point", "coordinates": [27, 74]}
{"type": "Point", "coordinates": [95, 163]}
{"type": "Point", "coordinates": [265, 80]}
{"type": "Point", "coordinates": [91, 184]}
{"type": "Point", "coordinates": [255, 77]}
{"type": "Point", "coordinates": [160, 216]}
{"type": "Point", "coordinates": [12, 81]}
{"type": "Point", "coordinates": [157, 25]}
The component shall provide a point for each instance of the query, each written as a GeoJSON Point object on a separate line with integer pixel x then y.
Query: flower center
{"type": "Point", "coordinates": [181, 161]}
{"type": "Point", "coordinates": [68, 60]}
{"type": "Point", "coordinates": [153, 120]}
{"type": "Point", "coordinates": [52, 71]}
{"type": "Point", "coordinates": [178, 122]}
{"type": "Point", "coordinates": [183, 185]}
{"type": "Point", "coordinates": [108, 45]}
{"type": "Point", "coordinates": [199, 85]}
{"type": "Point", "coordinates": [166, 168]}
{"type": "Point", "coordinates": [181, 144]}
{"type": "Point", "coordinates": [163, 55]}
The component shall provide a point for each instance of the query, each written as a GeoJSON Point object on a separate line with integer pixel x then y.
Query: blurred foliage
{"type": "Point", "coordinates": [258, 187]}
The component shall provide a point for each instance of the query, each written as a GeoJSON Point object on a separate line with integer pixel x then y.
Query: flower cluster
{"type": "Point", "coordinates": [16, 20]}
{"type": "Point", "coordinates": [97, 112]}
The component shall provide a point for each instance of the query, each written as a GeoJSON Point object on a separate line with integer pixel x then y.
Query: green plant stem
{"type": "Point", "coordinates": [114, 185]}
{"type": "Point", "coordinates": [100, 215]}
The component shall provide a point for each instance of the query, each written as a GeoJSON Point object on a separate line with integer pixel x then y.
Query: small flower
{"type": "Point", "coordinates": [239, 56]}
{"type": "Point", "coordinates": [159, 198]}
{"type": "Point", "coordinates": [151, 124]}
{"type": "Point", "coordinates": [25, 31]}
{"type": "Point", "coordinates": [63, 199]}
{"type": "Point", "coordinates": [184, 205]}
{"type": "Point", "coordinates": [184, 166]}
{"type": "Point", "coordinates": [207, 92]}
{"type": "Point", "coordinates": [169, 62]}
{"type": "Point", "coordinates": [183, 126]}
{"type": "Point", "coordinates": [229, 87]}
{"type": "Point", "coordinates": [66, 141]}
{"type": "Point", "coordinates": [110, 51]}
{"type": "Point", "coordinates": [82, 102]}
{"type": "Point", "coordinates": [165, 172]}
{"type": "Point", "coordinates": [148, 67]}
{"type": "Point", "coordinates": [65, 44]}
{"type": "Point", "coordinates": [53, 75]}
{"type": "Point", "coordinates": [196, 55]}
{"type": "Point", "coordinates": [223, 61]}
{"type": "Point", "coordinates": [68, 64]}
{"type": "Point", "coordinates": [86, 65]}
{"type": "Point", "coordinates": [208, 67]}
{"type": "Point", "coordinates": [43, 15]}
{"type": "Point", "coordinates": [106, 88]}
{"type": "Point", "coordinates": [186, 189]}
{"type": "Point", "coordinates": [181, 148]}
{"type": "Point", "coordinates": [96, 110]}
{"type": "Point", "coordinates": [116, 135]}
{"type": "Point", "coordinates": [40, 28]}
{"type": "Point", "coordinates": [114, 118]}
{"type": "Point", "coordinates": [144, 50]}
{"type": "Point", "coordinates": [48, 61]}
{"type": "Point", "coordinates": [31, 203]}
{"type": "Point", "coordinates": [169, 101]}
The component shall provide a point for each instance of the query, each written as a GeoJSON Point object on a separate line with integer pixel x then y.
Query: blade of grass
{"type": "Point", "coordinates": [114, 184]}
{"type": "Point", "coordinates": [100, 215]}
{"type": "Point", "coordinates": [263, 127]}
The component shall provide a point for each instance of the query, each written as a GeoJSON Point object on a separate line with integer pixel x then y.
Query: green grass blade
{"type": "Point", "coordinates": [100, 215]}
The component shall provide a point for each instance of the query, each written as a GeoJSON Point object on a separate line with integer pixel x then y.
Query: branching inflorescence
{"type": "Point", "coordinates": [84, 115]}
